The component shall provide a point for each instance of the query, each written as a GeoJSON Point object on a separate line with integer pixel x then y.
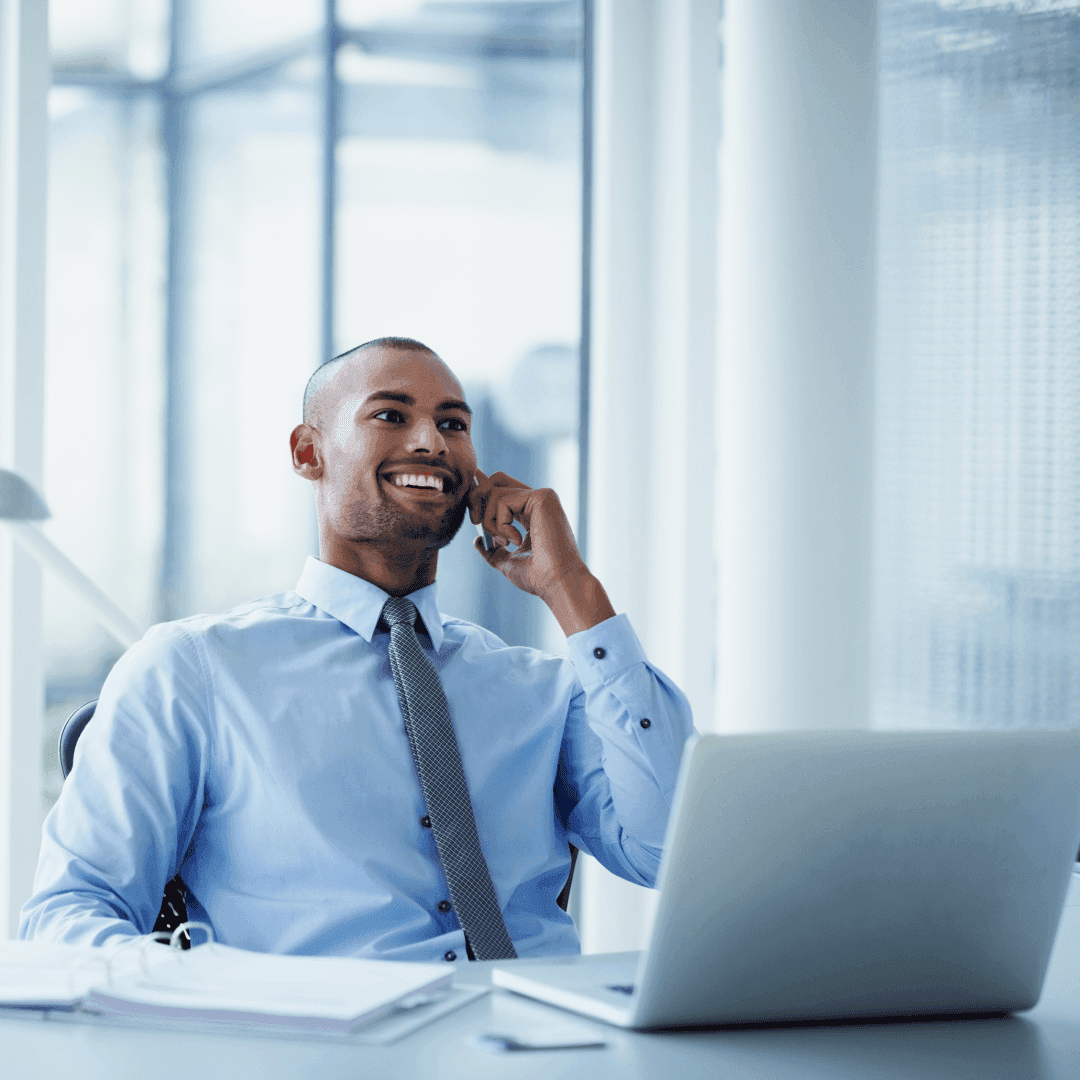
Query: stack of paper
{"type": "Point", "coordinates": [37, 976]}
{"type": "Point", "coordinates": [215, 984]}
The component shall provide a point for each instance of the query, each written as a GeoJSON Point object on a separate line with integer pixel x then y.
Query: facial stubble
{"type": "Point", "coordinates": [386, 521]}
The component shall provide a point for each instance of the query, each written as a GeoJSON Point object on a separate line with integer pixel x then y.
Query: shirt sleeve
{"type": "Point", "coordinates": [128, 810]}
{"type": "Point", "coordinates": [625, 732]}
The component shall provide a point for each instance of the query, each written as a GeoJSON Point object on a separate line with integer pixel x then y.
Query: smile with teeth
{"type": "Point", "coordinates": [417, 480]}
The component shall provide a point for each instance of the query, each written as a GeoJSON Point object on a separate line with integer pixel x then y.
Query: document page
{"type": "Point", "coordinates": [40, 976]}
{"type": "Point", "coordinates": [217, 982]}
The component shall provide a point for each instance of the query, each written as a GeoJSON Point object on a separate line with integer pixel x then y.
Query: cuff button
{"type": "Point", "coordinates": [599, 653]}
{"type": "Point", "coordinates": [450, 955]}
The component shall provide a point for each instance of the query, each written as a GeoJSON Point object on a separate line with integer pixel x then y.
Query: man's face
{"type": "Point", "coordinates": [397, 450]}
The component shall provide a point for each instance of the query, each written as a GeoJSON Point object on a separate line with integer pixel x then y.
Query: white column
{"type": "Point", "coordinates": [795, 395]}
{"type": "Point", "coordinates": [24, 84]}
{"type": "Point", "coordinates": [651, 447]}
{"type": "Point", "coordinates": [682, 302]}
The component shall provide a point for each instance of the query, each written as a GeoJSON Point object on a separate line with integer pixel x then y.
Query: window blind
{"type": "Point", "coordinates": [977, 470]}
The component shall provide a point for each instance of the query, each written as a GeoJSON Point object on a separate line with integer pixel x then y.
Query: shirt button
{"type": "Point", "coordinates": [646, 722]}
{"type": "Point", "coordinates": [599, 653]}
{"type": "Point", "coordinates": [426, 821]}
{"type": "Point", "coordinates": [449, 955]}
{"type": "Point", "coordinates": [444, 905]}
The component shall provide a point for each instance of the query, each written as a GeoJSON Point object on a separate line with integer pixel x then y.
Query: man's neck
{"type": "Point", "coordinates": [394, 569]}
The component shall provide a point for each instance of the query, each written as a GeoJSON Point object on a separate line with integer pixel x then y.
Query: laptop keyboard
{"type": "Point", "coordinates": [622, 989]}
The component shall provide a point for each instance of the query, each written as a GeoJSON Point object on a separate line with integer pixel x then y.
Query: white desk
{"type": "Point", "coordinates": [1041, 1045]}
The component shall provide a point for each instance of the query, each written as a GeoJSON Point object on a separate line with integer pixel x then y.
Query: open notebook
{"type": "Point", "coordinates": [215, 984]}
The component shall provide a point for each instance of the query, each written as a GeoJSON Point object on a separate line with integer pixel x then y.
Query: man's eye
{"type": "Point", "coordinates": [454, 420]}
{"type": "Point", "coordinates": [392, 415]}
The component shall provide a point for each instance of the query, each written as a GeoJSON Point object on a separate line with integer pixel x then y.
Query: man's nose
{"type": "Point", "coordinates": [425, 435]}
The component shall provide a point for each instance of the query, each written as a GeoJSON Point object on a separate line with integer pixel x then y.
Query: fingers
{"type": "Point", "coordinates": [494, 558]}
{"type": "Point", "coordinates": [486, 493]}
{"type": "Point", "coordinates": [508, 535]}
{"type": "Point", "coordinates": [504, 507]}
{"type": "Point", "coordinates": [476, 504]}
{"type": "Point", "coordinates": [482, 487]}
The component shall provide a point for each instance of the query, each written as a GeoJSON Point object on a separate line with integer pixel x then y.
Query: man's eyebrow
{"type": "Point", "coordinates": [453, 403]}
{"type": "Point", "coordinates": [408, 399]}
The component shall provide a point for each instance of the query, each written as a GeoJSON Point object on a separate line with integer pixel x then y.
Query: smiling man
{"type": "Point", "coordinates": [342, 769]}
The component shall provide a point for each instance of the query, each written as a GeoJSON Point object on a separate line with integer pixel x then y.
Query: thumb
{"type": "Point", "coordinates": [494, 558]}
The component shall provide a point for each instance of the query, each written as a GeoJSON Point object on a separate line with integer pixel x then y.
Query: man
{"type": "Point", "coordinates": [277, 755]}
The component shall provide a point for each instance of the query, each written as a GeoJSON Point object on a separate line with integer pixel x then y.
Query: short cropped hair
{"type": "Point", "coordinates": [325, 373]}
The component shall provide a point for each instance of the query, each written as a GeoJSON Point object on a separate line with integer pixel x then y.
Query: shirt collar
{"type": "Point", "coordinates": [358, 604]}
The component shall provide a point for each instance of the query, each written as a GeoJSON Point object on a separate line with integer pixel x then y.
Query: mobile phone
{"type": "Point", "coordinates": [486, 538]}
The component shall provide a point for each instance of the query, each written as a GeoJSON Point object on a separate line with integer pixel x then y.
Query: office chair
{"type": "Point", "coordinates": [564, 897]}
{"type": "Point", "coordinates": [173, 905]}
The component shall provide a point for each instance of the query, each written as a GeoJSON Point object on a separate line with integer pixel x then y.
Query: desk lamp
{"type": "Point", "coordinates": [21, 508]}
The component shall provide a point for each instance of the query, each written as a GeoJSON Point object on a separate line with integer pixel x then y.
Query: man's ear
{"type": "Point", "coordinates": [306, 458]}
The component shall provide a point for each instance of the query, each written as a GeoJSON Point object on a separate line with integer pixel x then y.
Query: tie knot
{"type": "Point", "coordinates": [398, 610]}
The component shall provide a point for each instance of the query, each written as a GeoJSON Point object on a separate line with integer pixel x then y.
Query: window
{"type": "Point", "coordinates": [198, 274]}
{"type": "Point", "coordinates": [978, 473]}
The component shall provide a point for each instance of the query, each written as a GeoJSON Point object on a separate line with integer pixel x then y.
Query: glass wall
{"type": "Point", "coordinates": [198, 273]}
{"type": "Point", "coordinates": [978, 472]}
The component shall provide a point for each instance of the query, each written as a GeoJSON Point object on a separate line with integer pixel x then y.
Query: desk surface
{"type": "Point", "coordinates": [1043, 1044]}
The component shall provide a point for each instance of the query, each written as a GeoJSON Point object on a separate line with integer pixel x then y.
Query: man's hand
{"type": "Point", "coordinates": [546, 561]}
{"type": "Point", "coordinates": [546, 552]}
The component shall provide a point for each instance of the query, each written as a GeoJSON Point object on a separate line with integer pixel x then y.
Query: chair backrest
{"type": "Point", "coordinates": [563, 899]}
{"type": "Point", "coordinates": [73, 728]}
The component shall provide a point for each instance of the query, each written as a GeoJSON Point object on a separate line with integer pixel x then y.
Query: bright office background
{"type": "Point", "coordinates": [978, 364]}
{"type": "Point", "coordinates": [197, 278]}
{"type": "Point", "coordinates": [197, 274]}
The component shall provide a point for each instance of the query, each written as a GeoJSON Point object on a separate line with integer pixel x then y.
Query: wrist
{"type": "Point", "coordinates": [578, 601]}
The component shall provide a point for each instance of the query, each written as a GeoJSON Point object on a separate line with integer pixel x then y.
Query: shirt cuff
{"type": "Point", "coordinates": [605, 650]}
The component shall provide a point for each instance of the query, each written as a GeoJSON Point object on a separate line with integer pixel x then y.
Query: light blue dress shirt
{"type": "Point", "coordinates": [262, 753]}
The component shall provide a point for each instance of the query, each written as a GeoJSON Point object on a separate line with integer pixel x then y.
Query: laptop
{"type": "Point", "coordinates": [842, 875]}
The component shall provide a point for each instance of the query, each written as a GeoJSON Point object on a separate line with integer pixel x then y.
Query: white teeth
{"type": "Point", "coordinates": [411, 480]}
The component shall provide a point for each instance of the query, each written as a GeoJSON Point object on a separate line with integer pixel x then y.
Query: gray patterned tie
{"type": "Point", "coordinates": [446, 793]}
